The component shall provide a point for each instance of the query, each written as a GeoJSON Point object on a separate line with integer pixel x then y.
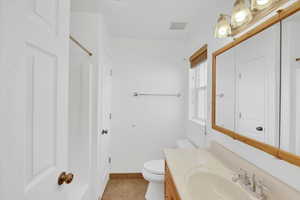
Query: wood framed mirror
{"type": "Point", "coordinates": [254, 86]}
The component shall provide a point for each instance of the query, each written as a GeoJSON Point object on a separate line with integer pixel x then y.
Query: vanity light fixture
{"type": "Point", "coordinates": [244, 12]}
{"type": "Point", "coordinates": [223, 27]}
{"type": "Point", "coordinates": [260, 4]}
{"type": "Point", "coordinates": [241, 14]}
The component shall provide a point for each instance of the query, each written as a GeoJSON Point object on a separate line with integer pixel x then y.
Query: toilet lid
{"type": "Point", "coordinates": [155, 167]}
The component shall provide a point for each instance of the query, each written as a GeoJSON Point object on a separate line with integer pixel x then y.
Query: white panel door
{"type": "Point", "coordinates": [103, 163]}
{"type": "Point", "coordinates": [257, 63]}
{"type": "Point", "coordinates": [252, 98]}
{"type": "Point", "coordinates": [36, 44]}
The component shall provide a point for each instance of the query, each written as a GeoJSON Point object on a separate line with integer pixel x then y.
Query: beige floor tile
{"type": "Point", "coordinates": [125, 189]}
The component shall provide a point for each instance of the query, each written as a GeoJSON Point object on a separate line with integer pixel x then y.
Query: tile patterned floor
{"type": "Point", "coordinates": [125, 189]}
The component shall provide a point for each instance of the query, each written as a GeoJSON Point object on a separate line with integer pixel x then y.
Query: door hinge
{"type": "Point", "coordinates": [205, 131]}
{"type": "Point", "coordinates": [111, 72]}
{"type": "Point", "coordinates": [110, 116]}
{"type": "Point", "coordinates": [109, 160]}
{"type": "Point", "coordinates": [240, 115]}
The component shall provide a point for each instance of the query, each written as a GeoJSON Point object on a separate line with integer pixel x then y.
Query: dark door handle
{"type": "Point", "coordinates": [259, 128]}
{"type": "Point", "coordinates": [104, 132]}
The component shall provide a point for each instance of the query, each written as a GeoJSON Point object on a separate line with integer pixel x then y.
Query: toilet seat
{"type": "Point", "coordinates": [156, 167]}
{"type": "Point", "coordinates": [154, 171]}
{"type": "Point", "coordinates": [153, 178]}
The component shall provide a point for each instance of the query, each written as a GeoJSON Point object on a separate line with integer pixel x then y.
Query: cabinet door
{"type": "Point", "coordinates": [170, 188]}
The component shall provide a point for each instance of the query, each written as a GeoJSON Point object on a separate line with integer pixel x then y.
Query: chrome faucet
{"type": "Point", "coordinates": [242, 177]}
{"type": "Point", "coordinates": [256, 187]}
{"type": "Point", "coordinates": [246, 180]}
{"type": "Point", "coordinates": [237, 177]}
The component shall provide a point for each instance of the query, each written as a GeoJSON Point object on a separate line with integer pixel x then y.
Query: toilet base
{"type": "Point", "coordinates": [155, 191]}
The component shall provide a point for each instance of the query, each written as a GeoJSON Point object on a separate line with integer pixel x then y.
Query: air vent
{"type": "Point", "coordinates": [178, 25]}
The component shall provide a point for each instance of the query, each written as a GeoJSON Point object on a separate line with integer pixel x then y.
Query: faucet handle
{"type": "Point", "coordinates": [237, 176]}
{"type": "Point", "coordinates": [242, 176]}
{"type": "Point", "coordinates": [245, 177]}
{"type": "Point", "coordinates": [247, 180]}
{"type": "Point", "coordinates": [242, 173]}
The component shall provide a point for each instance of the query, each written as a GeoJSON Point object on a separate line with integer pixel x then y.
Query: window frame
{"type": "Point", "coordinates": [195, 87]}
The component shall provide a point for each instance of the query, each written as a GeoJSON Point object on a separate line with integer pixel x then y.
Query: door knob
{"type": "Point", "coordinates": [65, 178]}
{"type": "Point", "coordinates": [104, 132]}
{"type": "Point", "coordinates": [259, 128]}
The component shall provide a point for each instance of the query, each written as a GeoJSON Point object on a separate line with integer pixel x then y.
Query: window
{"type": "Point", "coordinates": [198, 93]}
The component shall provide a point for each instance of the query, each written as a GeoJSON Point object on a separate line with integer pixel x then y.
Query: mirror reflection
{"type": "Point", "coordinates": [290, 84]}
{"type": "Point", "coordinates": [247, 87]}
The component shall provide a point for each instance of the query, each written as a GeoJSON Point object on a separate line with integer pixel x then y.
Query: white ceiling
{"type": "Point", "coordinates": [150, 19]}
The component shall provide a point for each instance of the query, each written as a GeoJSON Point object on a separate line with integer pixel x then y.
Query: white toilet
{"type": "Point", "coordinates": [154, 172]}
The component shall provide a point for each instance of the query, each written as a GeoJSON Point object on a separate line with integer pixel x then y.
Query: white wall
{"type": "Point", "coordinates": [143, 126]}
{"type": "Point", "coordinates": [284, 171]}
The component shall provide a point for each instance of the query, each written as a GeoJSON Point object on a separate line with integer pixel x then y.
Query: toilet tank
{"type": "Point", "coordinates": [184, 144]}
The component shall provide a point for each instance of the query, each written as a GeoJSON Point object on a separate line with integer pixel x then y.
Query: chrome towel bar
{"type": "Point", "coordinates": [136, 94]}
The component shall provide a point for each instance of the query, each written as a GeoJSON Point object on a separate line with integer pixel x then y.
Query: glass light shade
{"type": "Point", "coordinates": [260, 4]}
{"type": "Point", "coordinates": [241, 14]}
{"type": "Point", "coordinates": [223, 27]}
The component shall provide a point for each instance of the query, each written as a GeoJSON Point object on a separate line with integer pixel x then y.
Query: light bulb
{"type": "Point", "coordinates": [240, 16]}
{"type": "Point", "coordinates": [223, 27]}
{"type": "Point", "coordinates": [262, 2]}
{"type": "Point", "coordinates": [222, 31]}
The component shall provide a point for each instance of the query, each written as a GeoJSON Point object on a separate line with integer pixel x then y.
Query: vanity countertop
{"type": "Point", "coordinates": [183, 161]}
{"type": "Point", "coordinates": [217, 159]}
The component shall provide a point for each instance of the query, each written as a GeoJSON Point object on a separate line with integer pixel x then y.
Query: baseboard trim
{"type": "Point", "coordinates": [126, 176]}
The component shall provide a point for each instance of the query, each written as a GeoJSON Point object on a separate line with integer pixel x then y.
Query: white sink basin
{"type": "Point", "coordinates": [206, 185]}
